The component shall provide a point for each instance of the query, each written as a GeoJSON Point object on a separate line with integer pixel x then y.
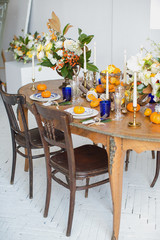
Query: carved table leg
{"type": "Point", "coordinates": [21, 126]}
{"type": "Point", "coordinates": [116, 161]}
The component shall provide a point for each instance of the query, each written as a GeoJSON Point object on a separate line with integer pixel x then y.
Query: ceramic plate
{"type": "Point", "coordinates": [38, 97]}
{"type": "Point", "coordinates": [88, 111]}
{"type": "Point", "coordinates": [83, 116]}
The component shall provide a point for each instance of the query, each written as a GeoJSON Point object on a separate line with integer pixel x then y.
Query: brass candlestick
{"type": "Point", "coordinates": [134, 123]}
{"type": "Point", "coordinates": [94, 79]}
{"type": "Point", "coordinates": [33, 87]}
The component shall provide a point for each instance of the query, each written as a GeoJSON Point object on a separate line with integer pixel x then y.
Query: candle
{"type": "Point", "coordinates": [33, 70]}
{"type": "Point", "coordinates": [107, 89]}
{"type": "Point", "coordinates": [125, 65]}
{"type": "Point", "coordinates": [135, 90]}
{"type": "Point", "coordinates": [85, 64]}
{"type": "Point", "coordinates": [95, 53]}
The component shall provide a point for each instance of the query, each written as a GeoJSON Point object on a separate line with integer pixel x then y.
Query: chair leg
{"type": "Point", "coordinates": [48, 195]}
{"type": "Point", "coordinates": [157, 169]}
{"type": "Point", "coordinates": [14, 159]}
{"type": "Point", "coordinates": [86, 191]}
{"type": "Point", "coordinates": [71, 210]}
{"type": "Point", "coordinates": [153, 154]}
{"type": "Point", "coordinates": [30, 173]}
{"type": "Point", "coordinates": [127, 159]}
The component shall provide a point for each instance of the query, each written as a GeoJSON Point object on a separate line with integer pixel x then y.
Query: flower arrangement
{"type": "Point", "coordinates": [64, 54]}
{"type": "Point", "coordinates": [24, 47]}
{"type": "Point", "coordinates": [148, 69]}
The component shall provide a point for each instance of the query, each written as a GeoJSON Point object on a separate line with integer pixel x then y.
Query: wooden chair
{"type": "Point", "coordinates": [157, 164]}
{"type": "Point", "coordinates": [80, 163]}
{"type": "Point", "coordinates": [29, 139]}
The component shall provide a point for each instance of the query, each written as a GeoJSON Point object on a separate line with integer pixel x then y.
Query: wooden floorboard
{"type": "Point", "coordinates": [21, 218]}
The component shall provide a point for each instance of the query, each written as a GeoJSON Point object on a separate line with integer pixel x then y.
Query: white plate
{"type": "Point", "coordinates": [81, 116]}
{"type": "Point", "coordinates": [38, 97]}
{"type": "Point", "coordinates": [87, 112]}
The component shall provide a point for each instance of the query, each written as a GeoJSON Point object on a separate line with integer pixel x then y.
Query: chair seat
{"type": "Point", "coordinates": [89, 160]}
{"type": "Point", "coordinates": [36, 139]}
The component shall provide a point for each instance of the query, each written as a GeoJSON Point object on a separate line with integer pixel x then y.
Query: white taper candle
{"type": "Point", "coordinates": [107, 86]}
{"type": "Point", "coordinates": [33, 70]}
{"type": "Point", "coordinates": [125, 67]}
{"type": "Point", "coordinates": [135, 90]}
{"type": "Point", "coordinates": [95, 53]}
{"type": "Point", "coordinates": [85, 63]}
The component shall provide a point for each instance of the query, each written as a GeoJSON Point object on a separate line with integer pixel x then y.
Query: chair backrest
{"type": "Point", "coordinates": [10, 102]}
{"type": "Point", "coordinates": [51, 120]}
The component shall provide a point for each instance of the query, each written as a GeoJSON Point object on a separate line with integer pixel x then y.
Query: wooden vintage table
{"type": "Point", "coordinates": [116, 136]}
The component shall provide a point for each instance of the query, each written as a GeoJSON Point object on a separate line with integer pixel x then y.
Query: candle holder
{"type": "Point", "coordinates": [33, 87]}
{"type": "Point", "coordinates": [94, 79]}
{"type": "Point", "coordinates": [134, 123]}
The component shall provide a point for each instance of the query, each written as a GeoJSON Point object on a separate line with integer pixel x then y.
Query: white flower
{"type": "Point", "coordinates": [59, 44]}
{"type": "Point", "coordinates": [60, 53]}
{"type": "Point", "coordinates": [50, 56]}
{"type": "Point", "coordinates": [135, 63]}
{"type": "Point", "coordinates": [30, 37]}
{"type": "Point", "coordinates": [40, 55]}
{"type": "Point", "coordinates": [148, 57]}
{"type": "Point", "coordinates": [53, 61]}
{"type": "Point", "coordinates": [73, 46]}
{"type": "Point", "coordinates": [154, 68]}
{"type": "Point", "coordinates": [68, 44]}
{"type": "Point", "coordinates": [30, 44]}
{"type": "Point", "coordinates": [18, 52]}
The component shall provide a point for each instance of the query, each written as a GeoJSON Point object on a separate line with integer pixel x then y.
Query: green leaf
{"type": "Point", "coordinates": [64, 72]}
{"type": "Point", "coordinates": [83, 38]}
{"type": "Point", "coordinates": [66, 28]}
{"type": "Point", "coordinates": [88, 54]}
{"type": "Point", "coordinates": [36, 34]}
{"type": "Point", "coordinates": [92, 67]}
{"type": "Point", "coordinates": [46, 62]}
{"type": "Point", "coordinates": [158, 93]}
{"type": "Point", "coordinates": [79, 31]}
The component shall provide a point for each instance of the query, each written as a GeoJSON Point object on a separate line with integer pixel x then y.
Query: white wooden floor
{"type": "Point", "coordinates": [22, 218]}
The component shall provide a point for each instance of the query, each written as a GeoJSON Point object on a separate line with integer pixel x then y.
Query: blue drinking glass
{"type": "Point", "coordinates": [151, 96]}
{"type": "Point", "coordinates": [66, 91]}
{"type": "Point", "coordinates": [105, 107]}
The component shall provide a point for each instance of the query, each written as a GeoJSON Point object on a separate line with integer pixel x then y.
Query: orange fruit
{"type": "Point", "coordinates": [130, 107]}
{"type": "Point", "coordinates": [147, 112]}
{"type": "Point", "coordinates": [41, 87]}
{"type": "Point", "coordinates": [79, 109]}
{"type": "Point", "coordinates": [46, 94]}
{"type": "Point", "coordinates": [100, 88]}
{"type": "Point", "coordinates": [155, 117]}
{"type": "Point", "coordinates": [95, 103]}
{"type": "Point", "coordinates": [91, 97]}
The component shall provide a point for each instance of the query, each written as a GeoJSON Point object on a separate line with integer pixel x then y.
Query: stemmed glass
{"type": "Point", "coordinates": [118, 96]}
{"type": "Point", "coordinates": [75, 86]}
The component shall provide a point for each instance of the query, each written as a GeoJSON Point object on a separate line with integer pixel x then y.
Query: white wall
{"type": "Point", "coordinates": [116, 24]}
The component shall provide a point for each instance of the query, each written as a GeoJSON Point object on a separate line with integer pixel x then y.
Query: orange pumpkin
{"type": "Point", "coordinates": [155, 117]}
{"type": "Point", "coordinates": [100, 88]}
{"type": "Point", "coordinates": [95, 103]}
{"type": "Point", "coordinates": [130, 107]}
{"type": "Point", "coordinates": [147, 112]}
{"type": "Point", "coordinates": [79, 109]}
{"type": "Point", "coordinates": [46, 94]}
{"type": "Point", "coordinates": [111, 88]}
{"type": "Point", "coordinates": [41, 87]}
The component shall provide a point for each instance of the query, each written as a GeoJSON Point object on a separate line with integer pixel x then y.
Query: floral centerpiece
{"type": "Point", "coordinates": [64, 54]}
{"type": "Point", "coordinates": [148, 71]}
{"type": "Point", "coordinates": [24, 47]}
